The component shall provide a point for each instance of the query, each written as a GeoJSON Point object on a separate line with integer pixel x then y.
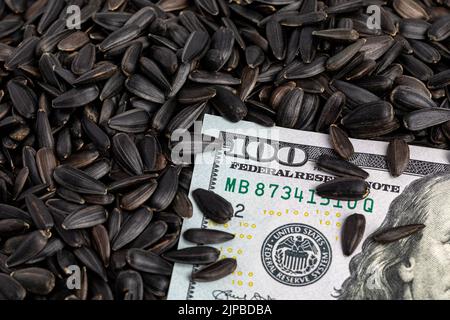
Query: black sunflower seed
{"type": "Point", "coordinates": [215, 271]}
{"type": "Point", "coordinates": [91, 260]}
{"type": "Point", "coordinates": [129, 285]}
{"type": "Point", "coordinates": [148, 262]}
{"type": "Point", "coordinates": [195, 46]}
{"type": "Point", "coordinates": [78, 181]}
{"type": "Point", "coordinates": [143, 88]}
{"type": "Point", "coordinates": [397, 157]}
{"type": "Point", "coordinates": [11, 289]}
{"type": "Point", "coordinates": [35, 280]}
{"type": "Point", "coordinates": [229, 105]}
{"type": "Point", "coordinates": [397, 233]}
{"type": "Point", "coordinates": [154, 232]}
{"type": "Point", "coordinates": [341, 167]}
{"type": "Point", "coordinates": [341, 143]}
{"type": "Point", "coordinates": [166, 190]}
{"type": "Point", "coordinates": [213, 206]}
{"type": "Point", "coordinates": [134, 199]}
{"type": "Point", "coordinates": [127, 154]}
{"type": "Point", "coordinates": [426, 118]}
{"type": "Point", "coordinates": [344, 189]}
{"type": "Point", "coordinates": [193, 255]}
{"type": "Point", "coordinates": [132, 228]}
{"type": "Point", "coordinates": [352, 233]}
{"type": "Point", "coordinates": [290, 108]}
{"type": "Point", "coordinates": [29, 248]}
{"type": "Point", "coordinates": [85, 218]}
{"type": "Point", "coordinates": [39, 213]}
{"type": "Point", "coordinates": [76, 97]}
{"type": "Point", "coordinates": [207, 236]}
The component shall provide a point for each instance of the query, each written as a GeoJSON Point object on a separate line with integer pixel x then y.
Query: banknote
{"type": "Point", "coordinates": [288, 239]}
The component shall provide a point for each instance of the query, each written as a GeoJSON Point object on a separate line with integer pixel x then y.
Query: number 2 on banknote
{"type": "Point", "coordinates": [240, 208]}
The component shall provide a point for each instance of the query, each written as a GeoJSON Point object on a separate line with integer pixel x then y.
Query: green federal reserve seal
{"type": "Point", "coordinates": [296, 254]}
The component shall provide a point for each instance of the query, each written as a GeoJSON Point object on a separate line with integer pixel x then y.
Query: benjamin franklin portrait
{"type": "Point", "coordinates": [413, 268]}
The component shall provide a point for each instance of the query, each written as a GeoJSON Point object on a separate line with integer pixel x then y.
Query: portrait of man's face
{"type": "Point", "coordinates": [416, 267]}
{"type": "Point", "coordinates": [427, 273]}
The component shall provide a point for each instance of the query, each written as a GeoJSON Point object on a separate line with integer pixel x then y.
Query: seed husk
{"type": "Point", "coordinates": [22, 54]}
{"type": "Point", "coordinates": [83, 159]}
{"type": "Point", "coordinates": [416, 67]}
{"type": "Point", "coordinates": [151, 152]}
{"type": "Point", "coordinates": [129, 285]}
{"type": "Point", "coordinates": [397, 233]}
{"type": "Point", "coordinates": [439, 80]}
{"type": "Point", "coordinates": [143, 88]}
{"type": "Point", "coordinates": [35, 280]}
{"type": "Point", "coordinates": [29, 248]}
{"type": "Point", "coordinates": [215, 271]}
{"type": "Point", "coordinates": [149, 262]}
{"type": "Point", "coordinates": [46, 163]}
{"type": "Point", "coordinates": [91, 260]}
{"type": "Point", "coordinates": [132, 228]}
{"type": "Point", "coordinates": [85, 218]}
{"type": "Point", "coordinates": [344, 189]}
{"type": "Point", "coordinates": [11, 289]}
{"type": "Point", "coordinates": [290, 108]}
{"type": "Point", "coordinates": [119, 37]}
{"type": "Point", "coordinates": [354, 95]}
{"type": "Point", "coordinates": [254, 56]}
{"type": "Point", "coordinates": [341, 168]}
{"type": "Point", "coordinates": [131, 121]}
{"type": "Point", "coordinates": [426, 118]}
{"type": "Point", "coordinates": [352, 233]}
{"type": "Point", "coordinates": [368, 115]}
{"type": "Point", "coordinates": [152, 70]}
{"type": "Point", "coordinates": [127, 154]}
{"type": "Point", "coordinates": [43, 128]}
{"type": "Point", "coordinates": [76, 97]}
{"type": "Point", "coordinates": [10, 212]}
{"type": "Point", "coordinates": [186, 118]}
{"type": "Point", "coordinates": [341, 143]}
{"type": "Point", "coordinates": [53, 246]}
{"type": "Point", "coordinates": [152, 234]}
{"type": "Point", "coordinates": [102, 72]}
{"type": "Point", "coordinates": [397, 157]}
{"type": "Point", "coordinates": [408, 98]}
{"type": "Point", "coordinates": [229, 105]}
{"type": "Point", "coordinates": [337, 61]}
{"type": "Point", "coordinates": [166, 190]}
{"type": "Point", "coordinates": [73, 238]}
{"type": "Point", "coordinates": [193, 255]}
{"type": "Point", "coordinates": [23, 98]}
{"type": "Point", "coordinates": [440, 29]}
{"type": "Point", "coordinates": [213, 206]}
{"type": "Point", "coordinates": [39, 213]}
{"type": "Point", "coordinates": [195, 46]}
{"type": "Point", "coordinates": [331, 111]}
{"type": "Point", "coordinates": [275, 37]}
{"type": "Point", "coordinates": [74, 41]}
{"type": "Point", "coordinates": [78, 181]}
{"type": "Point", "coordinates": [207, 236]}
{"type": "Point", "coordinates": [134, 199]}
{"type": "Point", "coordinates": [308, 70]}
{"type": "Point", "coordinates": [182, 205]}
{"type": "Point", "coordinates": [101, 243]}
{"type": "Point", "coordinates": [96, 134]}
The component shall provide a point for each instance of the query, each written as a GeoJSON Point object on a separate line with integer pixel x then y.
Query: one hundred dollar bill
{"type": "Point", "coordinates": [288, 239]}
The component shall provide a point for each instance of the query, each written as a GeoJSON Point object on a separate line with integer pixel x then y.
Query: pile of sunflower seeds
{"type": "Point", "coordinates": [87, 112]}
